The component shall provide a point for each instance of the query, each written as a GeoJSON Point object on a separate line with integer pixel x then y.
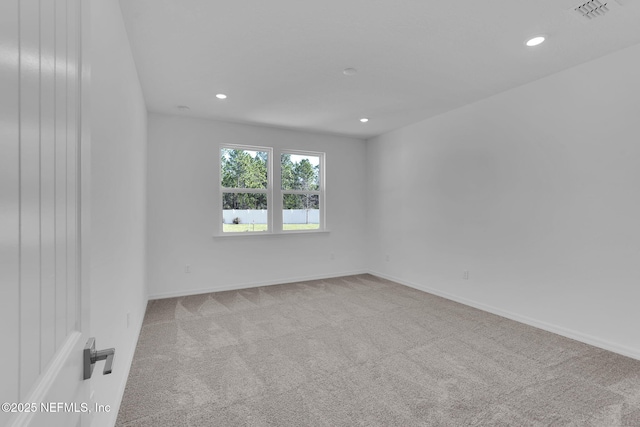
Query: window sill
{"type": "Point", "coordinates": [270, 234]}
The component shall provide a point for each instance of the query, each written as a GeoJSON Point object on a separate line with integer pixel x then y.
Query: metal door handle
{"type": "Point", "coordinates": [91, 356]}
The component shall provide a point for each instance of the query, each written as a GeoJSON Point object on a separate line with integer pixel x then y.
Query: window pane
{"type": "Point", "coordinates": [300, 172]}
{"type": "Point", "coordinates": [244, 212]}
{"type": "Point", "coordinates": [300, 212]}
{"type": "Point", "coordinates": [243, 168]}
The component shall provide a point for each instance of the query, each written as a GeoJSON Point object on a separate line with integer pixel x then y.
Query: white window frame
{"type": "Point", "coordinates": [274, 191]}
{"type": "Point", "coordinates": [320, 192]}
{"type": "Point", "coordinates": [268, 191]}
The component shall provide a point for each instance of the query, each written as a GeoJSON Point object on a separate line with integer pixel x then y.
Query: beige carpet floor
{"type": "Point", "coordinates": [363, 351]}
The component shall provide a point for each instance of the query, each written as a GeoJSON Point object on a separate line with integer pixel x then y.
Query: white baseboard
{"type": "Point", "coordinates": [569, 333]}
{"type": "Point", "coordinates": [559, 330]}
{"type": "Point", "coordinates": [234, 287]}
{"type": "Point", "coordinates": [114, 411]}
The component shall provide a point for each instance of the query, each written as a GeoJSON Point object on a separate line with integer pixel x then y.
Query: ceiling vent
{"type": "Point", "coordinates": [593, 9]}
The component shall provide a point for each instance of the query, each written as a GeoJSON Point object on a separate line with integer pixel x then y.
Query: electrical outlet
{"type": "Point", "coordinates": [332, 256]}
{"type": "Point", "coordinates": [387, 258]}
{"type": "Point", "coordinates": [465, 275]}
{"type": "Point", "coordinates": [187, 269]}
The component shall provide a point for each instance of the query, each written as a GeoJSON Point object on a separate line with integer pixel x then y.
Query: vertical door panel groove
{"type": "Point", "coordinates": [61, 173]}
{"type": "Point", "coordinates": [47, 205]}
{"type": "Point", "coordinates": [72, 139]}
{"type": "Point", "coordinates": [10, 202]}
{"type": "Point", "coordinates": [30, 193]}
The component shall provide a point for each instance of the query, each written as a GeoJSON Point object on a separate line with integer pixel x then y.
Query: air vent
{"type": "Point", "coordinates": [593, 9]}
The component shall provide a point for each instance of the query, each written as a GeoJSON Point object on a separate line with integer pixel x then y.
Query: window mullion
{"type": "Point", "coordinates": [245, 190]}
{"type": "Point", "coordinates": [322, 195]}
{"type": "Point", "coordinates": [317, 192]}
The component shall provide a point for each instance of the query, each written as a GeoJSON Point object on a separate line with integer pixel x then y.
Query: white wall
{"type": "Point", "coordinates": [118, 205]}
{"type": "Point", "coordinates": [182, 217]}
{"type": "Point", "coordinates": [534, 191]}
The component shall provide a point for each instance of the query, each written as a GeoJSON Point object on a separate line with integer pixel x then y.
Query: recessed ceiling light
{"type": "Point", "coordinates": [221, 96]}
{"type": "Point", "coordinates": [349, 71]}
{"type": "Point", "coordinates": [183, 107]}
{"type": "Point", "coordinates": [535, 41]}
{"type": "Point", "coordinates": [364, 120]}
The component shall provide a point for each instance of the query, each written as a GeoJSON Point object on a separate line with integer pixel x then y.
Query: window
{"type": "Point", "coordinates": [300, 179]}
{"type": "Point", "coordinates": [245, 183]}
{"type": "Point", "coordinates": [251, 194]}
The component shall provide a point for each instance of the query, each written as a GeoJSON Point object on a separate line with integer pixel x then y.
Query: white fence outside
{"type": "Point", "coordinates": [255, 216]}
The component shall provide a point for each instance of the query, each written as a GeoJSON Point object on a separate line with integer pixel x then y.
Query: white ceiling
{"type": "Point", "coordinates": [280, 61]}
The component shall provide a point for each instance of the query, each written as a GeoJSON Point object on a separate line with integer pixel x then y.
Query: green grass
{"type": "Point", "coordinates": [240, 228]}
{"type": "Point", "coordinates": [300, 226]}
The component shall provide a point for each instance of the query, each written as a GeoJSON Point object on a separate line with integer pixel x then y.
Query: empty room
{"type": "Point", "coordinates": [336, 213]}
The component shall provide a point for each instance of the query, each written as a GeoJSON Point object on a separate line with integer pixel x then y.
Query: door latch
{"type": "Point", "coordinates": [91, 356]}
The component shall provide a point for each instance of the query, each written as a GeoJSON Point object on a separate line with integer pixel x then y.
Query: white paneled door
{"type": "Point", "coordinates": [43, 147]}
